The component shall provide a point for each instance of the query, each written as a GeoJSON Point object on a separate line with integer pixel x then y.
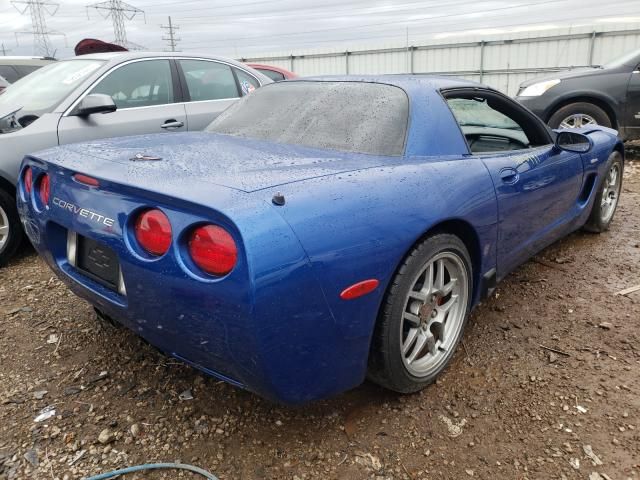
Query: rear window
{"type": "Point", "coordinates": [354, 117]}
{"type": "Point", "coordinates": [272, 74]}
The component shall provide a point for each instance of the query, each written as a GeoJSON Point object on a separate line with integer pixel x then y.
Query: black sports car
{"type": "Point", "coordinates": [607, 95]}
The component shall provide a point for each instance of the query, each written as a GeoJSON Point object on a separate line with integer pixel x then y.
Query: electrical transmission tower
{"type": "Point", "coordinates": [119, 11]}
{"type": "Point", "coordinates": [171, 38]}
{"type": "Point", "coordinates": [37, 9]}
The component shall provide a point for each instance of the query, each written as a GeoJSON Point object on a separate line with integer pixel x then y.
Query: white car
{"type": "Point", "coordinates": [109, 95]}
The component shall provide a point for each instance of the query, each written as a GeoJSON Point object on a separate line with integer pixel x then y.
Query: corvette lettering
{"type": "Point", "coordinates": [83, 212]}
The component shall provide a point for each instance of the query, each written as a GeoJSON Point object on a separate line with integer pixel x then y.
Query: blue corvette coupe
{"type": "Point", "coordinates": [320, 231]}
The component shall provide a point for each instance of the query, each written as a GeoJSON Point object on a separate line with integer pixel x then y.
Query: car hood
{"type": "Point", "coordinates": [233, 162]}
{"type": "Point", "coordinates": [573, 73]}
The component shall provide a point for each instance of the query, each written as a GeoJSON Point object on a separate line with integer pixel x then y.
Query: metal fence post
{"type": "Point", "coordinates": [346, 61]}
{"type": "Point", "coordinates": [592, 44]}
{"type": "Point", "coordinates": [412, 50]}
{"type": "Point", "coordinates": [482, 43]}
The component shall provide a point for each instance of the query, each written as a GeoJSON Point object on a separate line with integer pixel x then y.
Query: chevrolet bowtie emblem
{"type": "Point", "coordinates": [139, 157]}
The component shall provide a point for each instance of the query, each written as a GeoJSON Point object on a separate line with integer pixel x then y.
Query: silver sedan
{"type": "Point", "coordinates": [109, 95]}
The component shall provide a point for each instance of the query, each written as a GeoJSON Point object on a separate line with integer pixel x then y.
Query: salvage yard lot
{"type": "Point", "coordinates": [548, 374]}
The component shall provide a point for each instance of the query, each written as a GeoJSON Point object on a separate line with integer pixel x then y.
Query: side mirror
{"type": "Point", "coordinates": [573, 142]}
{"type": "Point", "coordinates": [95, 103]}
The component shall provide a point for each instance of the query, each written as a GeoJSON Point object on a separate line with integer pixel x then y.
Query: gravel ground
{"type": "Point", "coordinates": [546, 386]}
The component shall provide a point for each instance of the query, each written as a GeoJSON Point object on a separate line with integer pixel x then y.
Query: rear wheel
{"type": "Point", "coordinates": [606, 201]}
{"type": "Point", "coordinates": [579, 114]}
{"type": "Point", "coordinates": [10, 229]}
{"type": "Point", "coordinates": [423, 316]}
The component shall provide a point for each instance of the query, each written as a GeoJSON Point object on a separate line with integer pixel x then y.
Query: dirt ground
{"type": "Point", "coordinates": [546, 386]}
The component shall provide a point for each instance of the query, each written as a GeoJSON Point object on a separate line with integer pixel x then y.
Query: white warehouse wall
{"type": "Point", "coordinates": [501, 61]}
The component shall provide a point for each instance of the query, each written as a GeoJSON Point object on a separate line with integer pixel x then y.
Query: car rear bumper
{"type": "Point", "coordinates": [265, 327]}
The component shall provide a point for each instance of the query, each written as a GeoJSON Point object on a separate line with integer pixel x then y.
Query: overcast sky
{"type": "Point", "coordinates": [249, 27]}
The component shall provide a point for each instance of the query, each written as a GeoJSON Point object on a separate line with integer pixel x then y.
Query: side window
{"type": "Point", "coordinates": [9, 73]}
{"type": "Point", "coordinates": [139, 84]}
{"type": "Point", "coordinates": [209, 80]}
{"type": "Point", "coordinates": [486, 128]}
{"type": "Point", "coordinates": [248, 83]}
{"type": "Point", "coordinates": [26, 69]}
{"type": "Point", "coordinates": [272, 74]}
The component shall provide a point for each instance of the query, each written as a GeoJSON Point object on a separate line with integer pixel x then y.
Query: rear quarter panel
{"type": "Point", "coordinates": [361, 225]}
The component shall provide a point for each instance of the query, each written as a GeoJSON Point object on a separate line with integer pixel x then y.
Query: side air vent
{"type": "Point", "coordinates": [587, 188]}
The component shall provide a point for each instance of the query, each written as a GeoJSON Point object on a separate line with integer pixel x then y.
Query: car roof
{"type": "Point", "coordinates": [115, 58]}
{"type": "Point", "coordinates": [123, 56]}
{"type": "Point", "coordinates": [404, 81]}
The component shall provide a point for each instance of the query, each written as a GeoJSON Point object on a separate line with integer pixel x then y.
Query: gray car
{"type": "Point", "coordinates": [608, 95]}
{"type": "Point", "coordinates": [109, 95]}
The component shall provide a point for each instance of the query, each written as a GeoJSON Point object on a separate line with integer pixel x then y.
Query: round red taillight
{"type": "Point", "coordinates": [153, 232]}
{"type": "Point", "coordinates": [213, 249]}
{"type": "Point", "coordinates": [28, 179]}
{"type": "Point", "coordinates": [44, 189]}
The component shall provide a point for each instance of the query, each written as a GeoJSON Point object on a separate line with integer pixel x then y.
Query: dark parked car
{"type": "Point", "coordinates": [607, 95]}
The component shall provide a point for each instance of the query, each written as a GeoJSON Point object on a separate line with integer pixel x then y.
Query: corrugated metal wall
{"type": "Point", "coordinates": [502, 62]}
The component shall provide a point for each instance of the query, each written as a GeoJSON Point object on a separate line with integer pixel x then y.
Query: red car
{"type": "Point", "coordinates": [276, 74]}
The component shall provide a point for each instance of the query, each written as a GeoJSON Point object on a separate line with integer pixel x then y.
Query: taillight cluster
{"type": "Point", "coordinates": [44, 189]}
{"type": "Point", "coordinates": [42, 185]}
{"type": "Point", "coordinates": [153, 232]}
{"type": "Point", "coordinates": [210, 247]}
{"type": "Point", "coordinates": [213, 250]}
{"type": "Point", "coordinates": [27, 178]}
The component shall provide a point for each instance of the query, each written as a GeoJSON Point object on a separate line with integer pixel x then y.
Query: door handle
{"type": "Point", "coordinates": [509, 175]}
{"type": "Point", "coordinates": [173, 123]}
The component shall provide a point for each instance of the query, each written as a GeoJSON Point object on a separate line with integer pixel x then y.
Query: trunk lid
{"type": "Point", "coordinates": [237, 163]}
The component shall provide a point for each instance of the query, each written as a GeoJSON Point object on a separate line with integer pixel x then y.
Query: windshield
{"type": "Point", "coordinates": [355, 117]}
{"type": "Point", "coordinates": [41, 91]}
{"type": "Point", "coordinates": [631, 59]}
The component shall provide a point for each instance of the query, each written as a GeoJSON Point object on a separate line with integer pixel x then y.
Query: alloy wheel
{"type": "Point", "coordinates": [4, 229]}
{"type": "Point", "coordinates": [578, 120]}
{"type": "Point", "coordinates": [610, 192]}
{"type": "Point", "coordinates": [434, 314]}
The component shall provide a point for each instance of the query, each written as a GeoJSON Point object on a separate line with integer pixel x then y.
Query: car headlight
{"type": "Point", "coordinates": [539, 88]}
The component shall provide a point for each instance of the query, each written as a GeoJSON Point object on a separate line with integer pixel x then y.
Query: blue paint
{"type": "Point", "coordinates": [276, 324]}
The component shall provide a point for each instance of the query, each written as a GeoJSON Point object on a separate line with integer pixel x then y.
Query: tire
{"type": "Point", "coordinates": [399, 332]}
{"type": "Point", "coordinates": [11, 233]}
{"type": "Point", "coordinates": [588, 112]}
{"type": "Point", "coordinates": [606, 200]}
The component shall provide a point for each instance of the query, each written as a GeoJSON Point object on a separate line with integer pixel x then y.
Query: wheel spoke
{"type": "Point", "coordinates": [4, 230]}
{"type": "Point", "coordinates": [439, 275]}
{"type": "Point", "coordinates": [445, 307]}
{"type": "Point", "coordinates": [409, 341]}
{"type": "Point", "coordinates": [613, 178]}
{"type": "Point", "coordinates": [418, 295]}
{"type": "Point", "coordinates": [446, 290]}
{"type": "Point", "coordinates": [411, 318]}
{"type": "Point", "coordinates": [427, 286]}
{"type": "Point", "coordinates": [419, 345]}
